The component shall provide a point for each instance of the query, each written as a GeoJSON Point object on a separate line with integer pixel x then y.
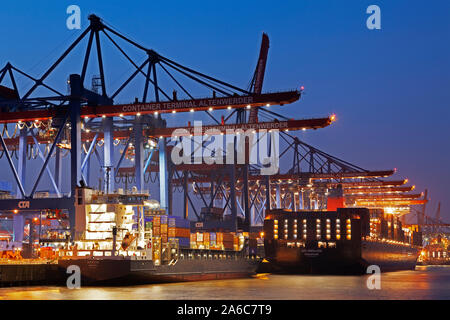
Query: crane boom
{"type": "Point", "coordinates": [132, 109]}
{"type": "Point", "coordinates": [258, 77]}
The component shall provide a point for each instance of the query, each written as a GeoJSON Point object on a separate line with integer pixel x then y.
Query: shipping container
{"type": "Point", "coordinates": [228, 237]}
{"type": "Point", "coordinates": [156, 231]}
{"type": "Point", "coordinates": [179, 232]}
{"type": "Point", "coordinates": [164, 219]}
{"type": "Point", "coordinates": [182, 241]}
{"type": "Point", "coordinates": [157, 220]}
{"type": "Point", "coordinates": [164, 228]}
{"type": "Point", "coordinates": [228, 245]}
{"type": "Point", "coordinates": [178, 222]}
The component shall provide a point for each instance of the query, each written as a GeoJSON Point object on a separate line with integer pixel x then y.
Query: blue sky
{"type": "Point", "coordinates": [388, 87]}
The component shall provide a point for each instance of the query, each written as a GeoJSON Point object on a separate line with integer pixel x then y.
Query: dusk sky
{"type": "Point", "coordinates": [389, 88]}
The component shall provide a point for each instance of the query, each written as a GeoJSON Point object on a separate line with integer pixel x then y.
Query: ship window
{"type": "Point", "coordinates": [318, 230]}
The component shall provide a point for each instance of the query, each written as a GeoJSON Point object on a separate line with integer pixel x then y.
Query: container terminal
{"type": "Point", "coordinates": [113, 227]}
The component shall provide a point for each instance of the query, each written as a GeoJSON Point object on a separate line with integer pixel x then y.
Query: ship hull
{"type": "Point", "coordinates": [126, 271]}
{"type": "Point", "coordinates": [389, 257]}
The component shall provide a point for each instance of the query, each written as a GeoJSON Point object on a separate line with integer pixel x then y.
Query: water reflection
{"type": "Point", "coordinates": [423, 283]}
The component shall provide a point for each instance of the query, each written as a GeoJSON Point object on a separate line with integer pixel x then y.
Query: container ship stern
{"type": "Point", "coordinates": [345, 241]}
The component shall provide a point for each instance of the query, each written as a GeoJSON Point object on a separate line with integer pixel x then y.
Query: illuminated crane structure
{"type": "Point", "coordinates": [66, 133]}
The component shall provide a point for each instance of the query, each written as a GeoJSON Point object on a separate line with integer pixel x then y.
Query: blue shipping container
{"type": "Point", "coordinates": [183, 242]}
{"type": "Point", "coordinates": [178, 222]}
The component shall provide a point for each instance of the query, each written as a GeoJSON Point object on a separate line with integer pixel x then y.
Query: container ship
{"type": "Point", "coordinates": [129, 239]}
{"type": "Point", "coordinates": [344, 241]}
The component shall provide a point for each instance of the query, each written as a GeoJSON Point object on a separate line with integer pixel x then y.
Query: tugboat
{"type": "Point", "coordinates": [345, 241]}
{"type": "Point", "coordinates": [128, 239]}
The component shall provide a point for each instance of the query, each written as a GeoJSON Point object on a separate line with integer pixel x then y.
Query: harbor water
{"type": "Point", "coordinates": [426, 282]}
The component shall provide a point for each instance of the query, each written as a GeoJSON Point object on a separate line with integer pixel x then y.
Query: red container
{"type": "Point", "coordinates": [178, 232]}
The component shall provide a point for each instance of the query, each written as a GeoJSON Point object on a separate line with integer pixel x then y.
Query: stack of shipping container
{"type": "Point", "coordinates": [216, 240]}
{"type": "Point", "coordinates": [169, 228]}
{"type": "Point", "coordinates": [178, 229]}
